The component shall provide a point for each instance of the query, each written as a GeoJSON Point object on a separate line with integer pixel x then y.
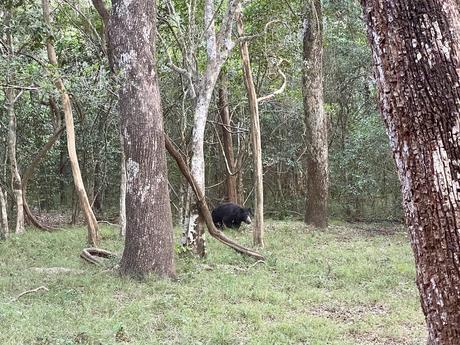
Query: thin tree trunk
{"type": "Point", "coordinates": [218, 47]}
{"type": "Point", "coordinates": [123, 182]}
{"type": "Point", "coordinates": [258, 230]}
{"type": "Point", "coordinates": [58, 119]}
{"type": "Point", "coordinates": [195, 233]}
{"type": "Point", "coordinates": [93, 229]}
{"type": "Point", "coordinates": [4, 228]}
{"type": "Point", "coordinates": [230, 177]}
{"type": "Point", "coordinates": [415, 48]}
{"type": "Point", "coordinates": [315, 117]}
{"type": "Point", "coordinates": [11, 98]}
{"type": "Point", "coordinates": [15, 176]}
{"type": "Point", "coordinates": [149, 241]}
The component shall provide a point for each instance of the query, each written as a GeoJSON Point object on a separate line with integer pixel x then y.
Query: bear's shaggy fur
{"type": "Point", "coordinates": [231, 215]}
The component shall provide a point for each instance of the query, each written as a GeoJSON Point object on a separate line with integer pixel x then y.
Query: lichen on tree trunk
{"type": "Point", "coordinates": [149, 233]}
{"type": "Point", "coordinates": [416, 49]}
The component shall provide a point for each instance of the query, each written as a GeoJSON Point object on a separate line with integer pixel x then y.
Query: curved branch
{"type": "Point", "coordinates": [282, 87]}
{"type": "Point", "coordinates": [227, 165]}
{"type": "Point", "coordinates": [204, 210]}
{"type": "Point", "coordinates": [96, 255]}
{"type": "Point", "coordinates": [102, 10]}
{"type": "Point", "coordinates": [28, 174]}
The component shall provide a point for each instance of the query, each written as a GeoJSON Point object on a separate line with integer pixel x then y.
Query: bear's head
{"type": "Point", "coordinates": [246, 214]}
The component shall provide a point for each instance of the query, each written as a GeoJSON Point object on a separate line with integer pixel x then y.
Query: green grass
{"type": "Point", "coordinates": [348, 285]}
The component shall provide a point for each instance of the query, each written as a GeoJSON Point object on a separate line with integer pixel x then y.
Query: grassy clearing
{"type": "Point", "coordinates": [349, 285]}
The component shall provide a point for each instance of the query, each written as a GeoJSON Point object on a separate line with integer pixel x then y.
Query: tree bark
{"type": "Point", "coordinates": [123, 185]}
{"type": "Point", "coordinates": [230, 176]}
{"type": "Point", "coordinates": [4, 227]}
{"type": "Point", "coordinates": [218, 47]}
{"type": "Point", "coordinates": [258, 229]}
{"type": "Point", "coordinates": [93, 229]}
{"type": "Point", "coordinates": [315, 117]}
{"type": "Point", "coordinates": [149, 241]}
{"type": "Point", "coordinates": [416, 49]}
{"type": "Point", "coordinates": [16, 182]}
{"type": "Point", "coordinates": [11, 98]}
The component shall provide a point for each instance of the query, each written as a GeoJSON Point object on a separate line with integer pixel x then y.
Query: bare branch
{"type": "Point", "coordinates": [224, 37]}
{"type": "Point", "coordinates": [85, 18]}
{"type": "Point", "coordinates": [204, 210]}
{"type": "Point", "coordinates": [44, 288]}
{"type": "Point", "coordinates": [226, 127]}
{"type": "Point", "coordinates": [282, 87]}
{"type": "Point", "coordinates": [102, 10]}
{"type": "Point", "coordinates": [178, 69]}
{"type": "Point", "coordinates": [229, 171]}
{"type": "Point", "coordinates": [20, 87]}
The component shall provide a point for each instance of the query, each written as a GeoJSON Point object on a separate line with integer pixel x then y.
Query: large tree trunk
{"type": "Point", "coordinates": [227, 140]}
{"type": "Point", "coordinates": [93, 229]}
{"type": "Point", "coordinates": [258, 230]}
{"type": "Point", "coordinates": [149, 241]}
{"type": "Point", "coordinates": [416, 49]}
{"type": "Point", "coordinates": [315, 117]}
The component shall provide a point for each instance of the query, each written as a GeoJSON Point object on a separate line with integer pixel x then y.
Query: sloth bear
{"type": "Point", "coordinates": [231, 215]}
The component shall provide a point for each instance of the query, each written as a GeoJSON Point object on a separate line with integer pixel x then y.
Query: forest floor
{"type": "Point", "coordinates": [353, 284]}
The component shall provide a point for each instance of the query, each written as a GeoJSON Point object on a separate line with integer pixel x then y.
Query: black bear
{"type": "Point", "coordinates": [231, 215]}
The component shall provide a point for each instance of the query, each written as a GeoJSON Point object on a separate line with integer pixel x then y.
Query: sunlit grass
{"type": "Point", "coordinates": [348, 285]}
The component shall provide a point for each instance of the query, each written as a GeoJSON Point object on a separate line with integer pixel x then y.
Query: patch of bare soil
{"type": "Point", "coordinates": [349, 232]}
{"type": "Point", "coordinates": [349, 314]}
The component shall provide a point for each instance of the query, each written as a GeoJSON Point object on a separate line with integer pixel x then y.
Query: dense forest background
{"type": "Point", "coordinates": [363, 182]}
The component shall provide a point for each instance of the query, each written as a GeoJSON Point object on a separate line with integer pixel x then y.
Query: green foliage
{"type": "Point", "coordinates": [362, 178]}
{"type": "Point", "coordinates": [345, 286]}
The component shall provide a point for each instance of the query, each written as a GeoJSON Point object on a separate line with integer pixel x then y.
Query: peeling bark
{"type": "Point", "coordinates": [315, 117]}
{"type": "Point", "coordinates": [149, 241]}
{"type": "Point", "coordinates": [416, 52]}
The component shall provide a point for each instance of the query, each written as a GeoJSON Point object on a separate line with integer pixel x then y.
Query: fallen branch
{"type": "Point", "coordinates": [96, 255]}
{"type": "Point", "coordinates": [44, 288]}
{"type": "Point", "coordinates": [204, 210]}
{"type": "Point", "coordinates": [108, 223]}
